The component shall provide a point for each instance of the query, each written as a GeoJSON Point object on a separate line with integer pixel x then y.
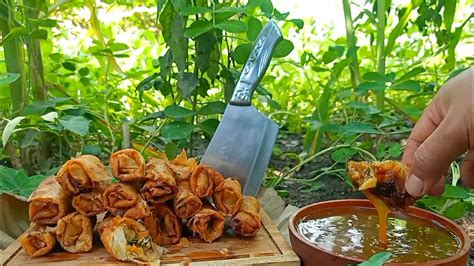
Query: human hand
{"type": "Point", "coordinates": [444, 132]}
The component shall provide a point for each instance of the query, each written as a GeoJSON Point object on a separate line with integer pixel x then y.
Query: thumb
{"type": "Point", "coordinates": [433, 157]}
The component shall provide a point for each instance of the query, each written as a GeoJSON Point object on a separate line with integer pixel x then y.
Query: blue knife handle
{"type": "Point", "coordinates": [256, 64]}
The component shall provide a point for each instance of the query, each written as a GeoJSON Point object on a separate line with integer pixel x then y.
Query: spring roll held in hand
{"type": "Point", "coordinates": [74, 232]}
{"type": "Point", "coordinates": [49, 202]}
{"type": "Point", "coordinates": [247, 221]}
{"type": "Point", "coordinates": [128, 165]}
{"type": "Point", "coordinates": [204, 181]}
{"type": "Point", "coordinates": [182, 167]}
{"type": "Point", "coordinates": [227, 196]}
{"type": "Point", "coordinates": [124, 200]}
{"type": "Point", "coordinates": [186, 204]}
{"type": "Point", "coordinates": [164, 226]}
{"type": "Point", "coordinates": [81, 174]}
{"type": "Point", "coordinates": [160, 185]}
{"type": "Point", "coordinates": [128, 240]}
{"type": "Point", "coordinates": [207, 223]}
{"type": "Point", "coordinates": [38, 240]}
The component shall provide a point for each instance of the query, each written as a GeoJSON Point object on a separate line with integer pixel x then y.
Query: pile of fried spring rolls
{"type": "Point", "coordinates": [144, 210]}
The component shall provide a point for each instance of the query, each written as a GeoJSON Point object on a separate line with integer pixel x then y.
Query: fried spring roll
{"type": "Point", "coordinates": [164, 226]}
{"type": "Point", "coordinates": [182, 167]}
{"type": "Point", "coordinates": [128, 165]}
{"type": "Point", "coordinates": [160, 185]}
{"type": "Point", "coordinates": [124, 200]}
{"type": "Point", "coordinates": [207, 223]}
{"type": "Point", "coordinates": [49, 202]}
{"type": "Point", "coordinates": [186, 204]}
{"type": "Point", "coordinates": [74, 232]}
{"type": "Point", "coordinates": [128, 240]}
{"type": "Point", "coordinates": [247, 221]}
{"type": "Point", "coordinates": [227, 196]}
{"type": "Point", "coordinates": [39, 240]}
{"type": "Point", "coordinates": [81, 174]}
{"type": "Point", "coordinates": [88, 204]}
{"type": "Point", "coordinates": [204, 181]}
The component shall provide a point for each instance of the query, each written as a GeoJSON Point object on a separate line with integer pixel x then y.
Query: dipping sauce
{"type": "Point", "coordinates": [355, 234]}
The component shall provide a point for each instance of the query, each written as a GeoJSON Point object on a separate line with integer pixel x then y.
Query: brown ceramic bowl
{"type": "Point", "coordinates": [311, 254]}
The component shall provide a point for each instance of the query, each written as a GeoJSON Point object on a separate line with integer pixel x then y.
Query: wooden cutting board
{"type": "Point", "coordinates": [267, 247]}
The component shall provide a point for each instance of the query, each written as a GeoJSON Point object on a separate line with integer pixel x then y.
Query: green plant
{"type": "Point", "coordinates": [377, 259]}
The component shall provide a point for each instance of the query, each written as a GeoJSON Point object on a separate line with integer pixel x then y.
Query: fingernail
{"type": "Point", "coordinates": [414, 186]}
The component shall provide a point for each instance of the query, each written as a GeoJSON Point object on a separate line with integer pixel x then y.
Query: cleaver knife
{"type": "Point", "coordinates": [242, 144]}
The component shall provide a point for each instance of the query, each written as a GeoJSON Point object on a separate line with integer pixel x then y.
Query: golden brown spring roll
{"type": "Point", "coordinates": [128, 165]}
{"type": "Point", "coordinates": [128, 240]}
{"type": "Point", "coordinates": [227, 196]}
{"type": "Point", "coordinates": [247, 221]}
{"type": "Point", "coordinates": [81, 174]}
{"type": "Point", "coordinates": [207, 223]}
{"type": "Point", "coordinates": [122, 199]}
{"type": "Point", "coordinates": [49, 202]}
{"type": "Point", "coordinates": [160, 185]}
{"type": "Point", "coordinates": [88, 204]}
{"type": "Point", "coordinates": [182, 167]}
{"type": "Point", "coordinates": [164, 226]}
{"type": "Point", "coordinates": [204, 181]}
{"type": "Point", "coordinates": [186, 204]}
{"type": "Point", "coordinates": [39, 240]}
{"type": "Point", "coordinates": [74, 232]}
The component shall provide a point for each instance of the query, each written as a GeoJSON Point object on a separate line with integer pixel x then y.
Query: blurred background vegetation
{"type": "Point", "coordinates": [96, 76]}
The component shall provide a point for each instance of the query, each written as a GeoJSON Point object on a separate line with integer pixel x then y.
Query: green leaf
{"type": "Point", "coordinates": [412, 73]}
{"type": "Point", "coordinates": [187, 83]}
{"type": "Point", "coordinates": [69, 66]}
{"type": "Point", "coordinates": [454, 192]}
{"type": "Point", "coordinates": [29, 138]}
{"type": "Point", "coordinates": [8, 78]}
{"type": "Point", "coordinates": [14, 33]}
{"type": "Point", "coordinates": [212, 108]}
{"type": "Point", "coordinates": [283, 49]}
{"type": "Point", "coordinates": [193, 10]}
{"type": "Point", "coordinates": [76, 124]}
{"type": "Point", "coordinates": [448, 13]}
{"type": "Point", "coordinates": [343, 154]}
{"type": "Point", "coordinates": [255, 26]}
{"type": "Point", "coordinates": [358, 127]}
{"type": "Point", "coordinates": [177, 130]}
{"type": "Point", "coordinates": [171, 150]}
{"type": "Point", "coordinates": [364, 87]}
{"type": "Point", "coordinates": [91, 149]}
{"type": "Point", "coordinates": [378, 259]}
{"type": "Point", "coordinates": [332, 54]}
{"type": "Point", "coordinates": [166, 62]}
{"type": "Point", "coordinates": [118, 47]}
{"type": "Point", "coordinates": [374, 76]}
{"type": "Point", "coordinates": [179, 43]}
{"type": "Point", "coordinates": [39, 34]}
{"type": "Point", "coordinates": [48, 23]}
{"type": "Point", "coordinates": [409, 85]}
{"type": "Point", "coordinates": [166, 19]}
{"type": "Point", "coordinates": [10, 128]}
{"type": "Point", "coordinates": [209, 126]}
{"type": "Point", "coordinates": [299, 23]}
{"type": "Point", "coordinates": [204, 45]}
{"type": "Point", "coordinates": [231, 9]}
{"type": "Point", "coordinates": [456, 210]}
{"type": "Point", "coordinates": [17, 182]}
{"type": "Point", "coordinates": [153, 116]}
{"type": "Point", "coordinates": [242, 52]}
{"type": "Point", "coordinates": [146, 84]}
{"type": "Point", "coordinates": [197, 28]}
{"type": "Point", "coordinates": [84, 71]}
{"type": "Point", "coordinates": [233, 26]}
{"type": "Point", "coordinates": [50, 117]}
{"type": "Point", "coordinates": [178, 112]}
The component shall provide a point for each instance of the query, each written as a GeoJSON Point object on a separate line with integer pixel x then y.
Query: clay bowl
{"type": "Point", "coordinates": [311, 254]}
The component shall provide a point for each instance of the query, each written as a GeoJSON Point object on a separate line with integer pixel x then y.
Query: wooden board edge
{"type": "Point", "coordinates": [276, 235]}
{"type": "Point", "coordinates": [10, 252]}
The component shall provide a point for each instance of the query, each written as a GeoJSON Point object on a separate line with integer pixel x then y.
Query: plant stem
{"type": "Point", "coordinates": [351, 44]}
{"type": "Point", "coordinates": [380, 48]}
